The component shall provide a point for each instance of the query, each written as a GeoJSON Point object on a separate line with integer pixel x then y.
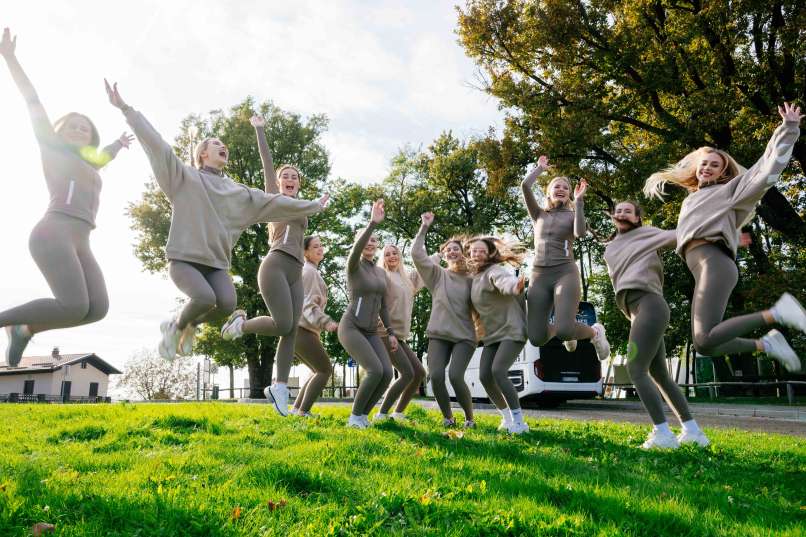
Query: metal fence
{"type": "Point", "coordinates": [44, 398]}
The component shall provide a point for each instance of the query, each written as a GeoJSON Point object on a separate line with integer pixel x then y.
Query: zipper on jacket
{"type": "Point", "coordinates": [565, 247]}
{"type": "Point", "coordinates": [70, 192]}
{"type": "Point", "coordinates": [285, 237]}
{"type": "Point", "coordinates": [358, 305]}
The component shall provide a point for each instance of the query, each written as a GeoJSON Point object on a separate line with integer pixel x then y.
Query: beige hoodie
{"type": "Point", "coordinates": [313, 316]}
{"type": "Point", "coordinates": [500, 306]}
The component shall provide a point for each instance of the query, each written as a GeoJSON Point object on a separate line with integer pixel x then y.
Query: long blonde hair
{"type": "Point", "coordinates": [553, 205]}
{"type": "Point", "coordinates": [684, 173]}
{"type": "Point", "coordinates": [404, 275]}
{"type": "Point", "coordinates": [498, 251]}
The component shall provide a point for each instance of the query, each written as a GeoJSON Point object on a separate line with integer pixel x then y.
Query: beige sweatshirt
{"type": "Point", "coordinates": [717, 212]}
{"type": "Point", "coordinates": [400, 300]}
{"type": "Point", "coordinates": [450, 319]}
{"type": "Point", "coordinates": [500, 306]}
{"type": "Point", "coordinates": [313, 316]}
{"type": "Point", "coordinates": [287, 236]}
{"type": "Point", "coordinates": [633, 261]}
{"type": "Point", "coordinates": [366, 287]}
{"type": "Point", "coordinates": [209, 211]}
{"type": "Point", "coordinates": [554, 229]}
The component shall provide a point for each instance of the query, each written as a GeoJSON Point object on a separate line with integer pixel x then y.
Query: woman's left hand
{"type": "Point", "coordinates": [581, 188]}
{"type": "Point", "coordinates": [126, 139]}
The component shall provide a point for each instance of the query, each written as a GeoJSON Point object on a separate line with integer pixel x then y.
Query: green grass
{"type": "Point", "coordinates": [223, 469]}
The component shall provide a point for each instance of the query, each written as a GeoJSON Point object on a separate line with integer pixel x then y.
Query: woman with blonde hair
{"type": "Point", "coordinates": [450, 330]}
{"type": "Point", "coordinates": [722, 198]}
{"type": "Point", "coordinates": [209, 211]}
{"type": "Point", "coordinates": [358, 328]}
{"type": "Point", "coordinates": [279, 276]}
{"type": "Point", "coordinates": [554, 283]}
{"type": "Point", "coordinates": [401, 287]}
{"type": "Point", "coordinates": [497, 297]}
{"type": "Point", "coordinates": [60, 241]}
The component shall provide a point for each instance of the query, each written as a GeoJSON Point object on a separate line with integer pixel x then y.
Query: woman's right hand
{"type": "Point", "coordinates": [332, 326]}
{"type": "Point", "coordinates": [324, 200]}
{"type": "Point", "coordinates": [7, 44]}
{"type": "Point", "coordinates": [427, 218]}
{"type": "Point", "coordinates": [543, 162]}
{"type": "Point", "coordinates": [257, 121]}
{"type": "Point", "coordinates": [789, 112]}
{"type": "Point", "coordinates": [114, 95]}
{"type": "Point", "coordinates": [378, 213]}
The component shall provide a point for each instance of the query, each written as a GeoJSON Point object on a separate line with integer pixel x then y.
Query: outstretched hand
{"type": "Point", "coordinates": [543, 162]}
{"type": "Point", "coordinates": [8, 44]}
{"type": "Point", "coordinates": [332, 326]}
{"type": "Point", "coordinates": [126, 139]}
{"type": "Point", "coordinates": [427, 218]}
{"type": "Point", "coordinates": [378, 213]}
{"type": "Point", "coordinates": [257, 121]}
{"type": "Point", "coordinates": [114, 95]}
{"type": "Point", "coordinates": [324, 200]}
{"type": "Point", "coordinates": [789, 112]}
{"type": "Point", "coordinates": [580, 189]}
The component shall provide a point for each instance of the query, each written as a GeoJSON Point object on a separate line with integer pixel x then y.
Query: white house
{"type": "Point", "coordinates": [62, 377]}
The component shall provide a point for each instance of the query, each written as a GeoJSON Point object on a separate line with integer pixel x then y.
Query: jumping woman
{"type": "Point", "coordinates": [450, 330]}
{"type": "Point", "coordinates": [636, 271]}
{"type": "Point", "coordinates": [209, 211]}
{"type": "Point", "coordinates": [721, 199]}
{"type": "Point", "coordinates": [554, 283]}
{"type": "Point", "coordinates": [60, 241]}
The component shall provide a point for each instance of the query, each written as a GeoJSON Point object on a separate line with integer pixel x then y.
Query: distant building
{"type": "Point", "coordinates": [58, 377]}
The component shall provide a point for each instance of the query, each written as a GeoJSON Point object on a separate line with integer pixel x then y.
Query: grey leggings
{"type": "Point", "coordinates": [496, 359]}
{"type": "Point", "coordinates": [715, 276]}
{"type": "Point", "coordinates": [60, 246]}
{"type": "Point", "coordinates": [211, 292]}
{"type": "Point", "coordinates": [556, 287]}
{"type": "Point", "coordinates": [440, 352]}
{"type": "Point", "coordinates": [411, 374]}
{"type": "Point", "coordinates": [370, 353]}
{"type": "Point", "coordinates": [308, 348]}
{"type": "Point", "coordinates": [280, 283]}
{"type": "Point", "coordinates": [646, 356]}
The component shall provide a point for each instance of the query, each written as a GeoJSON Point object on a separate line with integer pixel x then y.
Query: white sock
{"type": "Point", "coordinates": [776, 315]}
{"type": "Point", "coordinates": [663, 428]}
{"type": "Point", "coordinates": [278, 384]}
{"type": "Point", "coordinates": [505, 413]}
{"type": "Point", "coordinates": [517, 415]}
{"type": "Point", "coordinates": [690, 426]}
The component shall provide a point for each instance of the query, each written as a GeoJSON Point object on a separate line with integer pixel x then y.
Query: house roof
{"type": "Point", "coordinates": [47, 364]}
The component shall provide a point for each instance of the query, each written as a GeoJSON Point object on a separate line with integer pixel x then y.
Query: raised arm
{"type": "Point", "coordinates": [361, 241]}
{"type": "Point", "coordinates": [526, 185]}
{"type": "Point", "coordinates": [43, 129]}
{"type": "Point", "coordinates": [167, 168]}
{"type": "Point", "coordinates": [266, 207]}
{"type": "Point", "coordinates": [427, 267]}
{"type": "Point", "coordinates": [580, 225]}
{"type": "Point", "coordinates": [269, 175]}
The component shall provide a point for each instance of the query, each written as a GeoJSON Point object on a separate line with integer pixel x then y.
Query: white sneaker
{"type": "Point", "coordinates": [570, 345]}
{"type": "Point", "coordinates": [659, 440]}
{"type": "Point", "coordinates": [698, 438]}
{"type": "Point", "coordinates": [789, 312]}
{"type": "Point", "coordinates": [379, 417]}
{"type": "Point", "coordinates": [505, 424]}
{"type": "Point", "coordinates": [399, 416]}
{"type": "Point", "coordinates": [186, 340]}
{"type": "Point", "coordinates": [776, 346]}
{"type": "Point", "coordinates": [518, 428]}
{"type": "Point", "coordinates": [356, 422]}
{"type": "Point", "coordinates": [600, 342]}
{"type": "Point", "coordinates": [365, 419]}
{"type": "Point", "coordinates": [448, 422]}
{"type": "Point", "coordinates": [170, 340]}
{"type": "Point", "coordinates": [278, 394]}
{"type": "Point", "coordinates": [233, 328]}
{"type": "Point", "coordinates": [469, 424]}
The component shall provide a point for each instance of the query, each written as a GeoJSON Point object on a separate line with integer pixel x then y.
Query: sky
{"type": "Point", "coordinates": [387, 74]}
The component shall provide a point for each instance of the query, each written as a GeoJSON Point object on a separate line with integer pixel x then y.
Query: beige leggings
{"type": "Point", "coordinates": [308, 348]}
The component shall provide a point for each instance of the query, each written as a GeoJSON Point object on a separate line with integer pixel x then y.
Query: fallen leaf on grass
{"type": "Point", "coordinates": [453, 434]}
{"type": "Point", "coordinates": [41, 528]}
{"type": "Point", "coordinates": [272, 505]}
{"type": "Point", "coordinates": [236, 513]}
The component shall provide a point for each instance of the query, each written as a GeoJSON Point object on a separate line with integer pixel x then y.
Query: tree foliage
{"type": "Point", "coordinates": [152, 378]}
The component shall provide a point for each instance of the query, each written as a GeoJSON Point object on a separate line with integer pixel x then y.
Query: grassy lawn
{"type": "Point", "coordinates": [223, 469]}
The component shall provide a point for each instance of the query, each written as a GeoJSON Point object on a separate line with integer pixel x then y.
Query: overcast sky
{"type": "Point", "coordinates": [386, 74]}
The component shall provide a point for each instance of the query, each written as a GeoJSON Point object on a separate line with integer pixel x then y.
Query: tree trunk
{"type": "Point", "coordinates": [260, 363]}
{"type": "Point", "coordinates": [231, 382]}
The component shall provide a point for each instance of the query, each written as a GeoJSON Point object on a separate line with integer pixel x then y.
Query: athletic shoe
{"type": "Point", "coordinates": [697, 437]}
{"type": "Point", "coordinates": [505, 424]}
{"type": "Point", "coordinates": [233, 328]}
{"type": "Point", "coordinates": [278, 395]}
{"type": "Point", "coordinates": [776, 346]}
{"type": "Point", "coordinates": [570, 345]}
{"type": "Point", "coordinates": [399, 416]}
{"type": "Point", "coordinates": [469, 424]}
{"type": "Point", "coordinates": [600, 342]}
{"type": "Point", "coordinates": [186, 340]}
{"type": "Point", "coordinates": [356, 422]}
{"type": "Point", "coordinates": [170, 340]}
{"type": "Point", "coordinates": [788, 312]}
{"type": "Point", "coordinates": [518, 428]}
{"type": "Point", "coordinates": [306, 414]}
{"type": "Point", "coordinates": [659, 440]}
{"type": "Point", "coordinates": [379, 417]}
{"type": "Point", "coordinates": [295, 411]}
{"type": "Point", "coordinates": [448, 422]}
{"type": "Point", "coordinates": [17, 341]}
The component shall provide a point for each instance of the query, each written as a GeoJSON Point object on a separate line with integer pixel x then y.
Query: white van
{"type": "Point", "coordinates": [547, 375]}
